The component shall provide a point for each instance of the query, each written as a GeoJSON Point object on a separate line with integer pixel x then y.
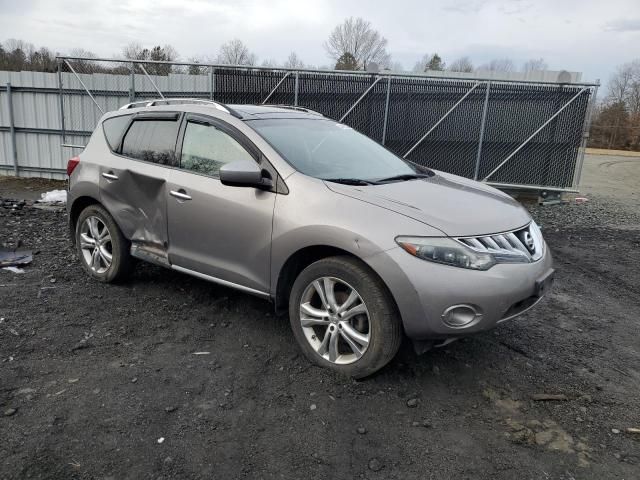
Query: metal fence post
{"type": "Point", "coordinates": [12, 130]}
{"type": "Point", "coordinates": [295, 97]}
{"type": "Point", "coordinates": [386, 112]}
{"type": "Point", "coordinates": [212, 82]}
{"type": "Point", "coordinates": [586, 131]}
{"type": "Point", "coordinates": [483, 123]}
{"type": "Point", "coordinates": [61, 100]}
{"type": "Point", "coordinates": [132, 84]}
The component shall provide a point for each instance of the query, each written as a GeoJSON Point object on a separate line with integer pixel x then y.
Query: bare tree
{"type": "Point", "coordinates": [85, 65]}
{"type": "Point", "coordinates": [194, 68]}
{"type": "Point", "coordinates": [82, 53]}
{"type": "Point", "coordinates": [269, 63]}
{"type": "Point", "coordinates": [429, 62]}
{"type": "Point", "coordinates": [293, 61]}
{"type": "Point", "coordinates": [617, 123]}
{"type": "Point", "coordinates": [612, 127]}
{"type": "Point", "coordinates": [534, 65]}
{"type": "Point", "coordinates": [235, 52]}
{"type": "Point", "coordinates": [396, 67]}
{"type": "Point", "coordinates": [421, 65]}
{"type": "Point", "coordinates": [499, 65]}
{"type": "Point", "coordinates": [134, 51]}
{"type": "Point", "coordinates": [355, 36]}
{"type": "Point", "coordinates": [633, 98]}
{"type": "Point", "coordinates": [13, 44]}
{"type": "Point", "coordinates": [18, 55]}
{"type": "Point", "coordinates": [166, 53]}
{"type": "Point", "coordinates": [624, 82]}
{"type": "Point", "coordinates": [463, 64]}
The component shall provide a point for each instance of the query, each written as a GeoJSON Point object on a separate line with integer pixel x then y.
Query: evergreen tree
{"type": "Point", "coordinates": [347, 62]}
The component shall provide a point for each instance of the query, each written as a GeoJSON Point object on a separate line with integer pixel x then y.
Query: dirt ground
{"type": "Point", "coordinates": [113, 382]}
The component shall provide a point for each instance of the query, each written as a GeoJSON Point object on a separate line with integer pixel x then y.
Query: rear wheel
{"type": "Point", "coordinates": [343, 317]}
{"type": "Point", "coordinates": [103, 250]}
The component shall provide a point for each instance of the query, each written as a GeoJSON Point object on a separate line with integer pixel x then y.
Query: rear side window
{"type": "Point", "coordinates": [152, 141]}
{"type": "Point", "coordinates": [205, 149]}
{"type": "Point", "coordinates": [114, 128]}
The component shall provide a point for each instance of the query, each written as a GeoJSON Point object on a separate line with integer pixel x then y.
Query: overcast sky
{"type": "Point", "coordinates": [590, 36]}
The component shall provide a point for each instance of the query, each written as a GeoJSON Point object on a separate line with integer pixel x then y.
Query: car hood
{"type": "Point", "coordinates": [455, 205]}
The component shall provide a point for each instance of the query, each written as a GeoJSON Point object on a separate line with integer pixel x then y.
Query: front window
{"type": "Point", "coordinates": [332, 151]}
{"type": "Point", "coordinates": [206, 148]}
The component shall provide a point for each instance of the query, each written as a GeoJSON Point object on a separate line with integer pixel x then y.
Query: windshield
{"type": "Point", "coordinates": [332, 151]}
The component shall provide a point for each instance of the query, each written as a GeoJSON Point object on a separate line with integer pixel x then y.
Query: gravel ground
{"type": "Point", "coordinates": [613, 176]}
{"type": "Point", "coordinates": [167, 376]}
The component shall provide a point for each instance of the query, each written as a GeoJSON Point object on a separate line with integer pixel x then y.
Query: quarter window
{"type": "Point", "coordinates": [152, 141]}
{"type": "Point", "coordinates": [206, 148]}
{"type": "Point", "coordinates": [114, 128]}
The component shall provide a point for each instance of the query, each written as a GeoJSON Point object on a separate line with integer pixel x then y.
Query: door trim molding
{"type": "Point", "coordinates": [219, 281]}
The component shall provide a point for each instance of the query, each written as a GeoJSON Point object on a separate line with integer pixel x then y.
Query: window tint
{"type": "Point", "coordinates": [114, 128]}
{"type": "Point", "coordinates": [152, 141]}
{"type": "Point", "coordinates": [205, 149]}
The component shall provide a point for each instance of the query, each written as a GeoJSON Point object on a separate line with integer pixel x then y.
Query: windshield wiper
{"type": "Point", "coordinates": [404, 176]}
{"type": "Point", "coordinates": [350, 181]}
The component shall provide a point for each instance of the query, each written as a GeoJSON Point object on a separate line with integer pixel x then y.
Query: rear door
{"type": "Point", "coordinates": [221, 231]}
{"type": "Point", "coordinates": [133, 180]}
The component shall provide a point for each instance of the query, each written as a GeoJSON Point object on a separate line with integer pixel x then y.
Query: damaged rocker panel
{"type": "Point", "coordinates": [150, 252]}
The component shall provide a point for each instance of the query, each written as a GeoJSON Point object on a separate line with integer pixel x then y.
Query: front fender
{"type": "Point", "coordinates": [314, 216]}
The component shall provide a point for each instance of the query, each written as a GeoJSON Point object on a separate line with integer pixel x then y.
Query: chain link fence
{"type": "Point", "coordinates": [519, 134]}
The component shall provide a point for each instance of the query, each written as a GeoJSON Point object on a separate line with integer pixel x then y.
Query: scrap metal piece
{"type": "Point", "coordinates": [11, 258]}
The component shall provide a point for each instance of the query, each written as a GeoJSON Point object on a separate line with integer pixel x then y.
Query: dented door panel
{"type": "Point", "coordinates": [135, 193]}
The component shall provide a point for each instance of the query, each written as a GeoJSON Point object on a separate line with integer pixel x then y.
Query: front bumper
{"type": "Point", "coordinates": [423, 291]}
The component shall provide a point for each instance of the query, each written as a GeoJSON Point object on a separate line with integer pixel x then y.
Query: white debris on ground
{"type": "Point", "coordinates": [13, 269]}
{"type": "Point", "coordinates": [54, 196]}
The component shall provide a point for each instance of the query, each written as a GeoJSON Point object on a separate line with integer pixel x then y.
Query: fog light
{"type": "Point", "coordinates": [461, 316]}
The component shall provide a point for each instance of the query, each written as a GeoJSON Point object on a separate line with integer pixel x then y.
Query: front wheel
{"type": "Point", "coordinates": [343, 317]}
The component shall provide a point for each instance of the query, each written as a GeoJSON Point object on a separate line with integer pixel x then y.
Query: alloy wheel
{"type": "Point", "coordinates": [335, 320]}
{"type": "Point", "coordinates": [95, 244]}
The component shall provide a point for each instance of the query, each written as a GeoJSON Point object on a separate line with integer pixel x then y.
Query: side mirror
{"type": "Point", "coordinates": [244, 174]}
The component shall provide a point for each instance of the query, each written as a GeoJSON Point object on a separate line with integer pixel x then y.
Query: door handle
{"type": "Point", "coordinates": [180, 194]}
{"type": "Point", "coordinates": [110, 176]}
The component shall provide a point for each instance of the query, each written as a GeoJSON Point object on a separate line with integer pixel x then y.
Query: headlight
{"type": "Point", "coordinates": [446, 251]}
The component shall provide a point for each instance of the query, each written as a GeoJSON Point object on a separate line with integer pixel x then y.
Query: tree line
{"type": "Point", "coordinates": [352, 45]}
{"type": "Point", "coordinates": [616, 121]}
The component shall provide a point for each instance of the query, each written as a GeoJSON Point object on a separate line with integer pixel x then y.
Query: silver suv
{"type": "Point", "coordinates": [360, 246]}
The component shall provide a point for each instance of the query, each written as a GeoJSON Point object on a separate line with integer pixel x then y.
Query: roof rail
{"type": "Point", "coordinates": [181, 101]}
{"type": "Point", "coordinates": [295, 107]}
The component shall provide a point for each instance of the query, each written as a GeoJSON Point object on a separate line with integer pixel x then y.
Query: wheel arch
{"type": "Point", "coordinates": [300, 260]}
{"type": "Point", "coordinates": [78, 205]}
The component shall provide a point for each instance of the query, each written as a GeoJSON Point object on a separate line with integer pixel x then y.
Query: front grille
{"type": "Point", "coordinates": [526, 242]}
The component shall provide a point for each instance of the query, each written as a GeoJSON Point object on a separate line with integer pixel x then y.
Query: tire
{"type": "Point", "coordinates": [92, 222]}
{"type": "Point", "coordinates": [334, 336]}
